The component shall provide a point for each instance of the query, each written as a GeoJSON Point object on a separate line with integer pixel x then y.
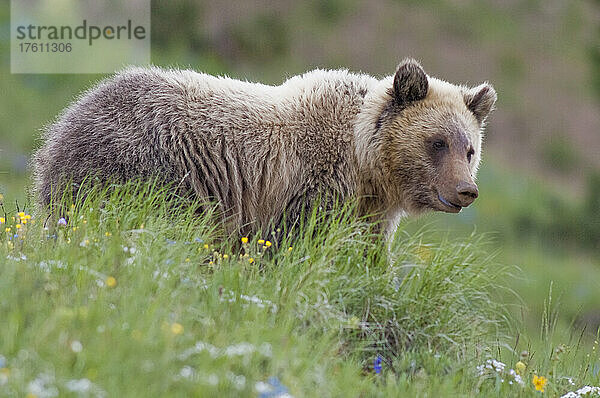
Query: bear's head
{"type": "Point", "coordinates": [428, 139]}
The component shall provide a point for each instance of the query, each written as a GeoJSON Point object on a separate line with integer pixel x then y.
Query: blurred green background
{"type": "Point", "coordinates": [540, 178]}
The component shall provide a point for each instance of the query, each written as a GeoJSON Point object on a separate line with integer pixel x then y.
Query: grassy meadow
{"type": "Point", "coordinates": [156, 301]}
{"type": "Point", "coordinates": [135, 293]}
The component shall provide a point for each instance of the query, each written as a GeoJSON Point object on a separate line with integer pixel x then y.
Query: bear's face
{"type": "Point", "coordinates": [431, 140]}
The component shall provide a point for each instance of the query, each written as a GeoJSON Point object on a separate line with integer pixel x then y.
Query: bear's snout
{"type": "Point", "coordinates": [467, 192]}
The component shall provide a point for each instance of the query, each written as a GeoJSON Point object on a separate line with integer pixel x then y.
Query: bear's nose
{"type": "Point", "coordinates": [467, 192]}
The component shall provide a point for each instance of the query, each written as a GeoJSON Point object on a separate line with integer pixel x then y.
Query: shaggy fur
{"type": "Point", "coordinates": [265, 152]}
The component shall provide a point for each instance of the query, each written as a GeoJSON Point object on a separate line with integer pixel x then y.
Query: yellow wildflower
{"type": "Point", "coordinates": [176, 328]}
{"type": "Point", "coordinates": [2, 220]}
{"type": "Point", "coordinates": [92, 374]}
{"type": "Point", "coordinates": [268, 244]}
{"type": "Point", "coordinates": [24, 221]}
{"type": "Point", "coordinates": [225, 256]}
{"type": "Point", "coordinates": [187, 260]}
{"type": "Point", "coordinates": [6, 229]}
{"type": "Point", "coordinates": [261, 241]}
{"type": "Point", "coordinates": [111, 281]}
{"type": "Point", "coordinates": [520, 368]}
{"type": "Point", "coordinates": [107, 234]}
{"type": "Point", "coordinates": [28, 216]}
{"type": "Point", "coordinates": [18, 226]}
{"type": "Point", "coordinates": [206, 245]}
{"type": "Point", "coordinates": [21, 214]}
{"type": "Point", "coordinates": [424, 253]}
{"type": "Point", "coordinates": [539, 382]}
{"type": "Point", "coordinates": [290, 249]}
{"type": "Point", "coordinates": [251, 260]}
{"type": "Point", "coordinates": [245, 239]}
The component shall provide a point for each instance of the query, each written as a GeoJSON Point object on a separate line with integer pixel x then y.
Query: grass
{"type": "Point", "coordinates": [139, 295]}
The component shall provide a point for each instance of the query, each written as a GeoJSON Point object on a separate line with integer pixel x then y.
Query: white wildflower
{"type": "Point", "coordinates": [239, 349]}
{"type": "Point", "coordinates": [78, 385]}
{"type": "Point", "coordinates": [76, 346]}
{"type": "Point", "coordinates": [272, 388]}
{"type": "Point", "coordinates": [187, 372]}
{"type": "Point", "coordinates": [517, 378]}
{"type": "Point", "coordinates": [262, 388]}
{"type": "Point", "coordinates": [20, 257]}
{"type": "Point", "coordinates": [50, 265]}
{"type": "Point", "coordinates": [586, 391]}
{"type": "Point", "coordinates": [84, 387]}
{"type": "Point", "coordinates": [43, 386]}
{"type": "Point", "coordinates": [212, 379]}
{"type": "Point", "coordinates": [261, 303]}
{"type": "Point", "coordinates": [238, 381]}
{"type": "Point", "coordinates": [569, 380]}
{"type": "Point", "coordinates": [231, 297]}
{"type": "Point", "coordinates": [265, 350]}
{"type": "Point", "coordinates": [491, 364]}
{"type": "Point", "coordinates": [493, 367]}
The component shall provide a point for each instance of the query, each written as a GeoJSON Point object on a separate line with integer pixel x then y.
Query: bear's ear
{"type": "Point", "coordinates": [410, 82]}
{"type": "Point", "coordinates": [480, 100]}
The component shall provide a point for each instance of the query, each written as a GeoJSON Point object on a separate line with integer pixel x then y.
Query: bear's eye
{"type": "Point", "coordinates": [439, 144]}
{"type": "Point", "coordinates": [470, 154]}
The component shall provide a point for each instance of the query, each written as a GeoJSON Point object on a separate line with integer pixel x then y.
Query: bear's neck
{"type": "Point", "coordinates": [372, 190]}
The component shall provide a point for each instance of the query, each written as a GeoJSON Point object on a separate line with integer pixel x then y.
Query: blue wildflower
{"type": "Point", "coordinates": [377, 364]}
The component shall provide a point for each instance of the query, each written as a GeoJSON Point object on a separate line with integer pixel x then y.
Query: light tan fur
{"type": "Point", "coordinates": [262, 152]}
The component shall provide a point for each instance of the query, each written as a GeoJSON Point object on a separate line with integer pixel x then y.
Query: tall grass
{"type": "Point", "coordinates": [140, 294]}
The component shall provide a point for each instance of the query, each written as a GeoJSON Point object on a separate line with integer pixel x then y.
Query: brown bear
{"type": "Point", "coordinates": [404, 144]}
